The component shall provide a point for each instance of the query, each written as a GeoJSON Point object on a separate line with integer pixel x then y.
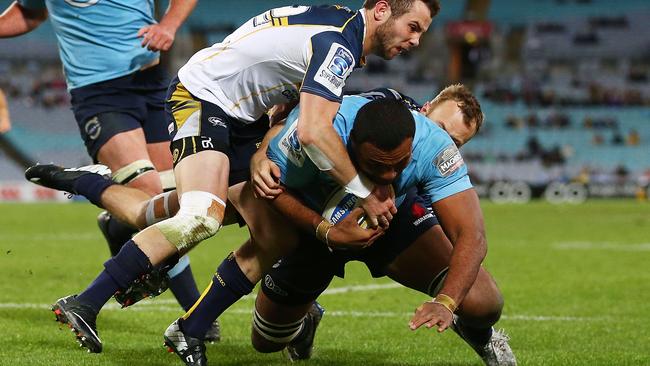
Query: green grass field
{"type": "Point", "coordinates": [576, 280]}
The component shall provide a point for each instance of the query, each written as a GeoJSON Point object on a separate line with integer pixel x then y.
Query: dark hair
{"type": "Point", "coordinates": [466, 101]}
{"type": "Point", "coordinates": [401, 7]}
{"type": "Point", "coordinates": [385, 123]}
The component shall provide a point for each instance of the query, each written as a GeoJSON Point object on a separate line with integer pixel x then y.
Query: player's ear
{"type": "Point", "coordinates": [382, 11]}
{"type": "Point", "coordinates": [426, 108]}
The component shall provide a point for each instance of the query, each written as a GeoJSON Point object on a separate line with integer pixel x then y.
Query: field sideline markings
{"type": "Point", "coordinates": [589, 245]}
{"type": "Point", "coordinates": [169, 305]}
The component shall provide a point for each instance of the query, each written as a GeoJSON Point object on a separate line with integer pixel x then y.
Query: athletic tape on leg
{"type": "Point", "coordinates": [276, 333]}
{"type": "Point", "coordinates": [167, 180]}
{"type": "Point", "coordinates": [199, 218]}
{"type": "Point", "coordinates": [132, 171]}
{"type": "Point", "coordinates": [158, 208]}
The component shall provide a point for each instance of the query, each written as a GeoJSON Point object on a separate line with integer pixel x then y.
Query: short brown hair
{"type": "Point", "coordinates": [401, 7]}
{"type": "Point", "coordinates": [466, 101]}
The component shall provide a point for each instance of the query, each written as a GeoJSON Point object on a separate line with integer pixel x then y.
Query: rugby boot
{"type": "Point", "coordinates": [150, 284]}
{"type": "Point", "coordinates": [496, 352]}
{"type": "Point", "coordinates": [191, 350]}
{"type": "Point", "coordinates": [213, 334]}
{"type": "Point", "coordinates": [301, 347]}
{"type": "Point", "coordinates": [60, 178]}
{"type": "Point", "coordinates": [80, 318]}
{"type": "Point", "coordinates": [119, 234]}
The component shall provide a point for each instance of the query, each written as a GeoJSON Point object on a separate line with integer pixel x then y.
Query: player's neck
{"type": "Point", "coordinates": [369, 31]}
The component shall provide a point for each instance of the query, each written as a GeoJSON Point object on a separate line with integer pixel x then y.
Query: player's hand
{"type": "Point", "coordinates": [379, 207]}
{"type": "Point", "coordinates": [431, 314]}
{"type": "Point", "coordinates": [157, 37]}
{"type": "Point", "coordinates": [347, 234]}
{"type": "Point", "coordinates": [265, 177]}
{"type": "Point", "coordinates": [5, 125]}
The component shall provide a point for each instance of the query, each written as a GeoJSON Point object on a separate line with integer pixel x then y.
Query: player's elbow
{"type": "Point", "coordinates": [306, 134]}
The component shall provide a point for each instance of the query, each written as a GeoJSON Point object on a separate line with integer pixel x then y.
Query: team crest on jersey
{"type": "Point", "coordinates": [335, 69]}
{"type": "Point", "coordinates": [448, 161]}
{"type": "Point", "coordinates": [291, 147]}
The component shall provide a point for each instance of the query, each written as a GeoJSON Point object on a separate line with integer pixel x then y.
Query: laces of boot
{"type": "Point", "coordinates": [500, 340]}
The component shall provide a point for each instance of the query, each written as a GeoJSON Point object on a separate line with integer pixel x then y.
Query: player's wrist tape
{"type": "Point", "coordinates": [445, 301]}
{"type": "Point", "coordinates": [358, 188]}
{"type": "Point", "coordinates": [322, 230]}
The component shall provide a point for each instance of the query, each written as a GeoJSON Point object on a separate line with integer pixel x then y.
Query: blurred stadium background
{"type": "Point", "coordinates": [565, 87]}
{"type": "Point", "coordinates": [564, 84]}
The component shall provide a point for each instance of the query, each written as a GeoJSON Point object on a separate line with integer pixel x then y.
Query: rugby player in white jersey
{"type": "Point", "coordinates": [216, 109]}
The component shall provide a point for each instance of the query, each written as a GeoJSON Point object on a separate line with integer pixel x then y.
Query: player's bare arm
{"type": "Point", "coordinates": [160, 37]}
{"type": "Point", "coordinates": [326, 150]}
{"type": "Point", "coordinates": [17, 20]}
{"type": "Point", "coordinates": [265, 174]}
{"type": "Point", "coordinates": [5, 121]}
{"type": "Point", "coordinates": [461, 217]}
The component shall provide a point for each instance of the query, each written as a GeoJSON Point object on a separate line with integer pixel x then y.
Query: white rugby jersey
{"type": "Point", "coordinates": [276, 55]}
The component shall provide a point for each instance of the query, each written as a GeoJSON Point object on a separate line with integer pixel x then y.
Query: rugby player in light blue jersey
{"type": "Point", "coordinates": [217, 113]}
{"type": "Point", "coordinates": [414, 250]}
{"type": "Point", "coordinates": [110, 55]}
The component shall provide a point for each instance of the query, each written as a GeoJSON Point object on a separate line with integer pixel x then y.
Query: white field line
{"type": "Point", "coordinates": [613, 246]}
{"type": "Point", "coordinates": [169, 305]}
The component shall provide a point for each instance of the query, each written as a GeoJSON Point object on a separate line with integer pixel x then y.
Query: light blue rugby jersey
{"type": "Point", "coordinates": [98, 38]}
{"type": "Point", "coordinates": [436, 168]}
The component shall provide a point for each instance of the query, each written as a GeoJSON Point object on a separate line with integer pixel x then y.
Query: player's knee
{"type": "Point", "coordinates": [271, 337]}
{"type": "Point", "coordinates": [199, 217]}
{"type": "Point", "coordinates": [482, 308]}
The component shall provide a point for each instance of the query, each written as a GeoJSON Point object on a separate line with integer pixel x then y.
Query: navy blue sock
{"type": "Point", "coordinates": [118, 234]}
{"type": "Point", "coordinates": [92, 186]}
{"type": "Point", "coordinates": [228, 285]}
{"type": "Point", "coordinates": [184, 288]}
{"type": "Point", "coordinates": [118, 273]}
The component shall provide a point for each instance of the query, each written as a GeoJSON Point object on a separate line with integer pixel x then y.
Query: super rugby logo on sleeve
{"type": "Point", "coordinates": [335, 69]}
{"type": "Point", "coordinates": [291, 147]}
{"type": "Point", "coordinates": [448, 161]}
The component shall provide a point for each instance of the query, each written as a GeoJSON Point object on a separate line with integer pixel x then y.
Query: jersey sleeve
{"type": "Point", "coordinates": [444, 173]}
{"type": "Point", "coordinates": [330, 65]}
{"type": "Point", "coordinates": [32, 4]}
{"type": "Point", "coordinates": [285, 150]}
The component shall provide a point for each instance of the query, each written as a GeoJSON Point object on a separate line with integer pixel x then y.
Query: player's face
{"type": "Point", "coordinates": [398, 35]}
{"type": "Point", "coordinates": [380, 166]}
{"type": "Point", "coordinates": [450, 118]}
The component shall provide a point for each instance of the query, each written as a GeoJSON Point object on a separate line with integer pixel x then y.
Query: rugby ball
{"type": "Point", "coordinates": [339, 205]}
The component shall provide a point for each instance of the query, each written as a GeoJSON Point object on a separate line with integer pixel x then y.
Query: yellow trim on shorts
{"type": "Point", "coordinates": [183, 105]}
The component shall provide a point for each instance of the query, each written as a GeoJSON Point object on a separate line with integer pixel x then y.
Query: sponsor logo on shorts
{"type": "Point", "coordinates": [93, 128]}
{"type": "Point", "coordinates": [268, 282]}
{"type": "Point", "coordinates": [448, 161]}
{"type": "Point", "coordinates": [216, 121]}
{"type": "Point", "coordinates": [175, 155]}
{"type": "Point", "coordinates": [420, 220]}
{"type": "Point", "coordinates": [335, 69]}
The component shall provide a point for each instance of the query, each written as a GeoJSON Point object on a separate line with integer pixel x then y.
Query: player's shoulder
{"type": "Point", "coordinates": [352, 103]}
{"type": "Point", "coordinates": [429, 133]}
{"type": "Point", "coordinates": [327, 15]}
